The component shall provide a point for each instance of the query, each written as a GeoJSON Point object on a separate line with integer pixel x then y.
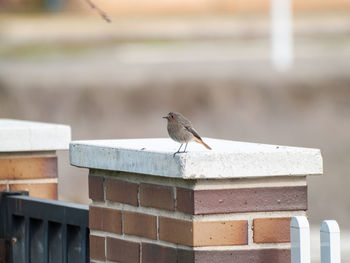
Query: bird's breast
{"type": "Point", "coordinates": [179, 133]}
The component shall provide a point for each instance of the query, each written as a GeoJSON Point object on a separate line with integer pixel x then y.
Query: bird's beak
{"type": "Point", "coordinates": [165, 117]}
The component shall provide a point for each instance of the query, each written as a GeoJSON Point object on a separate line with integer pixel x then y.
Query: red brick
{"type": "Point", "coordinates": [121, 192]}
{"type": "Point", "coordinates": [271, 230]}
{"type": "Point", "coordinates": [243, 256]}
{"type": "Point", "coordinates": [28, 168]}
{"type": "Point", "coordinates": [45, 190]}
{"type": "Point", "coordinates": [157, 196]}
{"type": "Point", "coordinates": [105, 219]}
{"type": "Point", "coordinates": [97, 247]}
{"type": "Point", "coordinates": [96, 190]}
{"type": "Point", "coordinates": [152, 253]}
{"type": "Point", "coordinates": [95, 218]}
{"type": "Point", "coordinates": [176, 231]}
{"type": "Point", "coordinates": [220, 233]}
{"type": "Point", "coordinates": [185, 200]}
{"type": "Point", "coordinates": [140, 224]}
{"type": "Point", "coordinates": [250, 200]}
{"type": "Point", "coordinates": [123, 251]}
{"type": "Point", "coordinates": [112, 221]}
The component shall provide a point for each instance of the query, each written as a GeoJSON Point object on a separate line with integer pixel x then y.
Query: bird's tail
{"type": "Point", "coordinates": [201, 142]}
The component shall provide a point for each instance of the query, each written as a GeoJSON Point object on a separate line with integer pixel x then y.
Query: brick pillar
{"type": "Point", "coordinates": [28, 159]}
{"type": "Point", "coordinates": [232, 204]}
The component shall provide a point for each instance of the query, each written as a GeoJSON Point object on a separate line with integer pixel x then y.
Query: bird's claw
{"type": "Point", "coordinates": [178, 152]}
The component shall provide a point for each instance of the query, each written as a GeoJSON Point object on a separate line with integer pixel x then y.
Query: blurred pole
{"type": "Point", "coordinates": [281, 34]}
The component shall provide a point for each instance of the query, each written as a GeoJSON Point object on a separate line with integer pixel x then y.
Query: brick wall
{"type": "Point", "coordinates": [137, 218]}
{"type": "Point", "coordinates": [35, 172]}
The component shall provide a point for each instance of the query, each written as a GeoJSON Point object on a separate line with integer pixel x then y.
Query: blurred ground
{"type": "Point", "coordinates": [117, 80]}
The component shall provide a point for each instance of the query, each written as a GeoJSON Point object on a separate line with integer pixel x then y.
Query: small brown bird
{"type": "Point", "coordinates": [181, 130]}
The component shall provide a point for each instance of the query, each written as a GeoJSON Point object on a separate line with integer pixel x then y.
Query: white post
{"type": "Point", "coordinates": [300, 240]}
{"type": "Point", "coordinates": [330, 242]}
{"type": "Point", "coordinates": [281, 34]}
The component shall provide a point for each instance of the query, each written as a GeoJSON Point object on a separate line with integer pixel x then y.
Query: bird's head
{"type": "Point", "coordinates": [171, 116]}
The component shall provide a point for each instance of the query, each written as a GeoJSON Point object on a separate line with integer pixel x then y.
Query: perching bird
{"type": "Point", "coordinates": [181, 130]}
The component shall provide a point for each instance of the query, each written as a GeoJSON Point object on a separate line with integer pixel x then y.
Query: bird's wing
{"type": "Point", "coordinates": [193, 131]}
{"type": "Point", "coordinates": [188, 126]}
{"type": "Point", "coordinates": [184, 122]}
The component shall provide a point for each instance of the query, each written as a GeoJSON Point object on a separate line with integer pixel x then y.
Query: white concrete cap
{"type": "Point", "coordinates": [22, 136]}
{"type": "Point", "coordinates": [228, 159]}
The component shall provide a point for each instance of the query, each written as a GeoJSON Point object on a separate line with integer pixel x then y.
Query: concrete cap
{"type": "Point", "coordinates": [228, 159]}
{"type": "Point", "coordinates": [22, 136]}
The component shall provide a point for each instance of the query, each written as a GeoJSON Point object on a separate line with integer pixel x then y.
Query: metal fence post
{"type": "Point", "coordinates": [5, 236]}
{"type": "Point", "coordinates": [42, 230]}
{"type": "Point", "coordinates": [330, 242]}
{"type": "Point", "coordinates": [300, 240]}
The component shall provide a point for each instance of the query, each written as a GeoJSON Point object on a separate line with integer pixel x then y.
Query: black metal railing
{"type": "Point", "coordinates": [35, 230]}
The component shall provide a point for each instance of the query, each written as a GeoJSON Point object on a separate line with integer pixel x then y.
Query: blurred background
{"type": "Point", "coordinates": [214, 61]}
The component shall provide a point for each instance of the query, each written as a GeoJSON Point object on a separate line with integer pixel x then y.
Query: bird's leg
{"type": "Point", "coordinates": [178, 151]}
{"type": "Point", "coordinates": [185, 147]}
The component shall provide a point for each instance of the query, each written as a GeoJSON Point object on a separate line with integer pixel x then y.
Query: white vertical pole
{"type": "Point", "coordinates": [281, 34]}
{"type": "Point", "coordinates": [330, 242]}
{"type": "Point", "coordinates": [300, 240]}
